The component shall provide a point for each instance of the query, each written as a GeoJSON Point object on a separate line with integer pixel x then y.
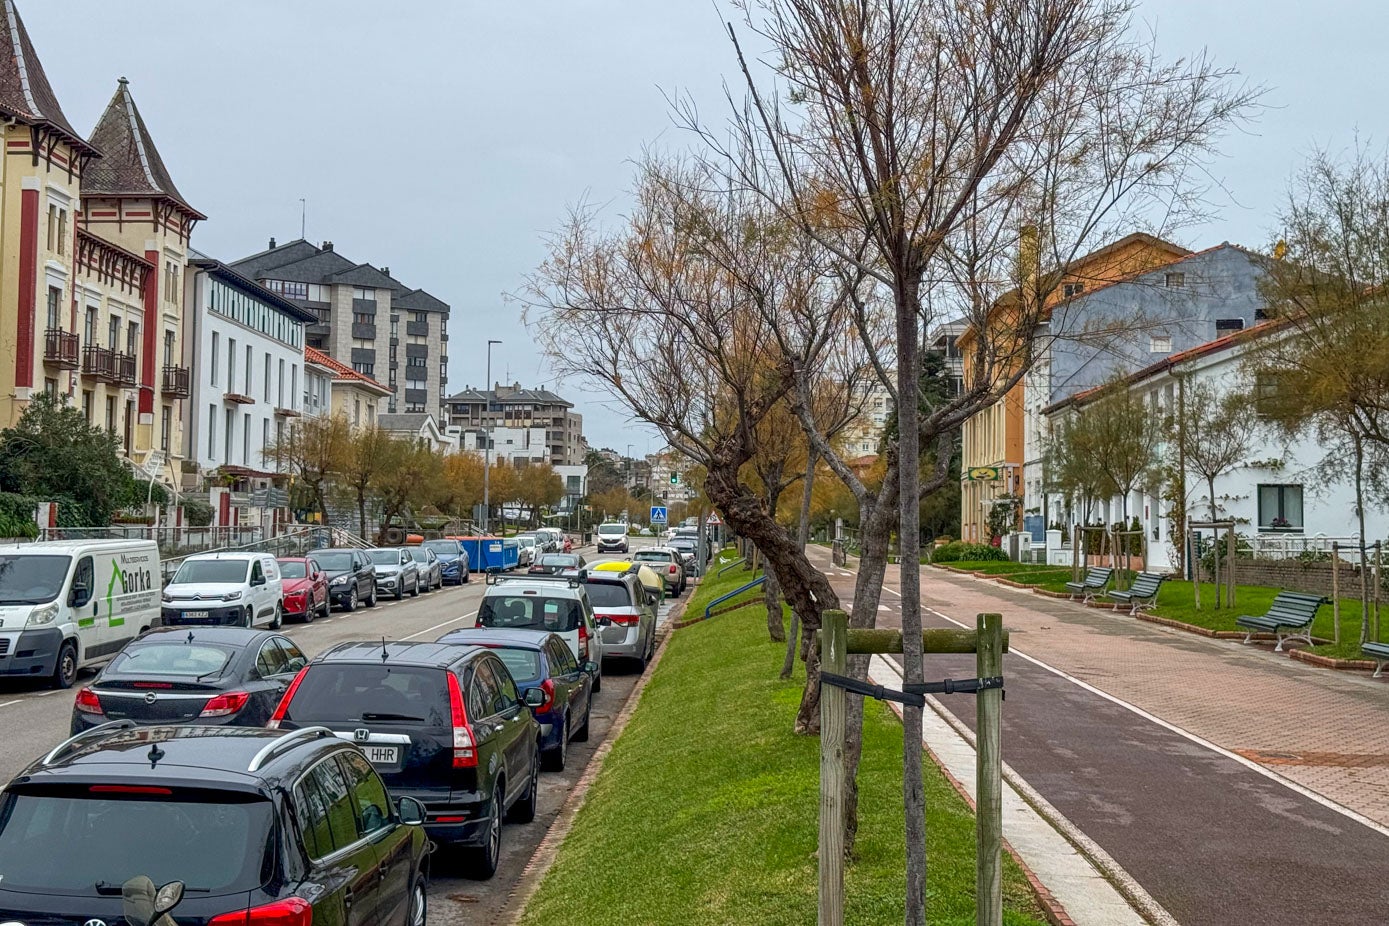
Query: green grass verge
{"type": "Point", "coordinates": [1177, 601]}
{"type": "Point", "coordinates": [706, 811]}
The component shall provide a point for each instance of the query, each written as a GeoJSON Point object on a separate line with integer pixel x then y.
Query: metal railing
{"type": "Point", "coordinates": [61, 348]}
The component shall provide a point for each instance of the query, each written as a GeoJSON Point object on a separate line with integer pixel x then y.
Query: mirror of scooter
{"type": "Point", "coordinates": [143, 904]}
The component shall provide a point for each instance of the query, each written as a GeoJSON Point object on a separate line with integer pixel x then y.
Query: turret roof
{"type": "Point", "coordinates": [130, 163]}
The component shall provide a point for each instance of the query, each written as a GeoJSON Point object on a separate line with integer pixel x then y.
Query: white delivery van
{"type": "Point", "coordinates": [71, 604]}
{"type": "Point", "coordinates": [225, 589]}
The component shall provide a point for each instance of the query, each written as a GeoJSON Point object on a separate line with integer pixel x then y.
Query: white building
{"type": "Point", "coordinates": [1279, 498]}
{"type": "Point", "coordinates": [245, 346]}
{"type": "Point", "coordinates": [512, 445]}
{"type": "Point", "coordinates": [863, 435]}
{"type": "Point", "coordinates": [421, 427]}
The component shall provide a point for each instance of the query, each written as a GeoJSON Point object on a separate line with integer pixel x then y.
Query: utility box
{"type": "Point", "coordinates": [486, 553]}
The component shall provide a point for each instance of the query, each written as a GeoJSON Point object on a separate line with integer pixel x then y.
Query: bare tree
{"type": "Point", "coordinates": [313, 451]}
{"type": "Point", "coordinates": [912, 139]}
{"type": "Point", "coordinates": [1211, 433]}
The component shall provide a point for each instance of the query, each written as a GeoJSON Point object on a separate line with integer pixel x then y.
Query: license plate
{"type": "Point", "coordinates": [195, 615]}
{"type": "Point", "coordinates": [383, 755]}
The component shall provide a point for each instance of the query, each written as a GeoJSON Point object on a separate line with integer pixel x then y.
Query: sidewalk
{"type": "Point", "coordinates": [1231, 785]}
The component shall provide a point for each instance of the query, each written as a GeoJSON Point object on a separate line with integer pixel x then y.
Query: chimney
{"type": "Point", "coordinates": [386, 271]}
{"type": "Point", "coordinates": [327, 245]}
{"type": "Point", "coordinates": [272, 244]}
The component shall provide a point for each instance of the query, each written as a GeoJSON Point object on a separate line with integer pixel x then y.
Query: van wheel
{"type": "Point", "coordinates": [279, 619]}
{"type": "Point", "coordinates": [65, 671]}
{"type": "Point", "coordinates": [250, 618]}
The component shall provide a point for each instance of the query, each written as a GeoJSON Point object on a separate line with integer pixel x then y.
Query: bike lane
{"type": "Point", "coordinates": [1210, 838]}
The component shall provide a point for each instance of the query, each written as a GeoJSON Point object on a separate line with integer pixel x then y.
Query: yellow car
{"type": "Point", "coordinates": [650, 579]}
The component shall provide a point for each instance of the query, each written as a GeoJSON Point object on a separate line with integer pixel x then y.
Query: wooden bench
{"type": "Point", "coordinates": [1096, 578]}
{"type": "Point", "coordinates": [1142, 594]}
{"type": "Point", "coordinates": [1379, 652]}
{"type": "Point", "coordinates": [1289, 618]}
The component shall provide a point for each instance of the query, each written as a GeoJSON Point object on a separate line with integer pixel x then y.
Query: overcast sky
{"type": "Point", "coordinates": [444, 138]}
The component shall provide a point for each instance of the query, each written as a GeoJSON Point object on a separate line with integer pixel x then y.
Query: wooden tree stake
{"type": "Point", "coordinates": [834, 635]}
{"type": "Point", "coordinates": [989, 777]}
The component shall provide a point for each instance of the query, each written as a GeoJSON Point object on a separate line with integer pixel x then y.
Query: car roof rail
{"type": "Point", "coordinates": [66, 746]}
{"type": "Point", "coordinates": [287, 741]}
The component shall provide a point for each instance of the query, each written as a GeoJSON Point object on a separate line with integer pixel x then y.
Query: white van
{"type": "Point", "coordinates": [225, 589]}
{"type": "Point", "coordinates": [71, 604]}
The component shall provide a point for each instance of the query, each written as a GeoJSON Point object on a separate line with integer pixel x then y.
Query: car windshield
{"type": "Point", "coordinates": [526, 541]}
{"type": "Point", "coordinates": [333, 693]}
{"type": "Point", "coordinates": [32, 579]}
{"type": "Point", "coordinates": [651, 556]}
{"type": "Point", "coordinates": [289, 569]}
{"type": "Point", "coordinates": [443, 547]}
{"type": "Point", "coordinates": [333, 562]}
{"type": "Point", "coordinates": [523, 663]}
{"type": "Point", "coordinates": [566, 560]}
{"type": "Point", "coordinates": [172, 657]}
{"type": "Point", "coordinates": [212, 572]}
{"type": "Point", "coordinates": [214, 842]}
{"type": "Point", "coordinates": [530, 611]}
{"type": "Point", "coordinates": [385, 557]}
{"type": "Point", "coordinates": [419, 554]}
{"type": "Point", "coordinates": [609, 595]}
{"type": "Point", "coordinates": [612, 529]}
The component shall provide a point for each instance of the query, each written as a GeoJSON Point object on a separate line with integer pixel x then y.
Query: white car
{"type": "Point", "coordinates": [553, 604]}
{"type": "Point", "coordinates": [228, 589]}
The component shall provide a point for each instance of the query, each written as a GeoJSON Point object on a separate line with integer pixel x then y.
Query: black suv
{"type": "Point", "coordinates": [258, 825]}
{"type": "Point", "coordinates": [442, 723]}
{"type": "Point", "coordinates": [351, 576]}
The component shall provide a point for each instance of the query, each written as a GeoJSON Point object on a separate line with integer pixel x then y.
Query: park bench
{"type": "Point", "coordinates": [1096, 578]}
{"type": "Point", "coordinates": [1379, 652]}
{"type": "Point", "coordinates": [1142, 594]}
{"type": "Point", "coordinates": [1288, 618]}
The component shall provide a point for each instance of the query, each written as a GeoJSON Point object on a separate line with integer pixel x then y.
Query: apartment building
{"type": "Point", "coordinates": [366, 319]}
{"type": "Point", "coordinates": [525, 412]}
{"type": "Point", "coordinates": [353, 395]}
{"type": "Point", "coordinates": [245, 347]}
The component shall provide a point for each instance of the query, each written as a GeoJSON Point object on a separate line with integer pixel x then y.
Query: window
{"type": "Point", "coordinates": [264, 435]}
{"type": "Point", "coordinates": [1174, 280]}
{"type": "Point", "coordinates": [230, 434]}
{"type": "Point", "coordinates": [52, 227]}
{"type": "Point", "coordinates": [369, 797]}
{"type": "Point", "coordinates": [250, 383]}
{"type": "Point", "coordinates": [1071, 290]}
{"type": "Point", "coordinates": [214, 359]}
{"type": "Point", "coordinates": [55, 301]}
{"type": "Point", "coordinates": [1280, 507]}
{"type": "Point", "coordinates": [246, 439]}
{"type": "Point", "coordinates": [366, 369]}
{"type": "Point", "coordinates": [166, 425]}
{"type": "Point", "coordinates": [62, 231]}
{"type": "Point", "coordinates": [113, 333]}
{"type": "Point", "coordinates": [420, 317]}
{"type": "Point", "coordinates": [87, 406]}
{"type": "Point", "coordinates": [1267, 390]}
{"type": "Point", "coordinates": [231, 364]}
{"type": "Point", "coordinates": [90, 331]}
{"type": "Point", "coordinates": [293, 381]}
{"type": "Point", "coordinates": [1229, 324]}
{"type": "Point", "coordinates": [420, 362]}
{"type": "Point", "coordinates": [212, 432]}
{"type": "Point", "coordinates": [85, 577]}
{"type": "Point", "coordinates": [169, 338]}
{"type": "Point", "coordinates": [132, 339]}
{"type": "Point", "coordinates": [270, 661]}
{"type": "Point", "coordinates": [1160, 344]}
{"type": "Point", "coordinates": [365, 293]}
{"type": "Point", "coordinates": [50, 387]}
{"type": "Point", "coordinates": [280, 390]}
{"type": "Point", "coordinates": [356, 411]}
{"type": "Point", "coordinates": [414, 407]}
{"type": "Point", "coordinates": [267, 375]}
{"type": "Point", "coordinates": [363, 318]}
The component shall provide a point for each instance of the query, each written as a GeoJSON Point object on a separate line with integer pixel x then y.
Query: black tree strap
{"type": "Point", "coordinates": [913, 695]}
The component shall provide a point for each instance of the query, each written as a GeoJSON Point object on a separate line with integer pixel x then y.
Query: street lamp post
{"type": "Point", "coordinates": [487, 450]}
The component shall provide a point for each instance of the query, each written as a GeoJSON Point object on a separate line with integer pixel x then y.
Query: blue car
{"type": "Point", "coordinates": [558, 688]}
{"type": "Point", "coordinates": [453, 560]}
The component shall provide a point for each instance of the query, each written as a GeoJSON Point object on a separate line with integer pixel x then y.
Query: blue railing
{"type": "Point", "coordinates": [736, 562]}
{"type": "Point", "coordinates": [734, 594]}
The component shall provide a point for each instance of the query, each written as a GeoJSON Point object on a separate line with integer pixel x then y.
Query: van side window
{"type": "Point", "coordinates": [257, 574]}
{"type": "Point", "coordinates": [85, 576]}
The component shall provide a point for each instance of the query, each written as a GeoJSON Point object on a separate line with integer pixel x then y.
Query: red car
{"type": "Point", "coordinates": [305, 589]}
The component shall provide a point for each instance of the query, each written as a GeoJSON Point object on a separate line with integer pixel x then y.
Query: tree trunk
{"type": "Point", "coordinates": [788, 665]}
{"type": "Point", "coordinates": [362, 513]}
{"type": "Point", "coordinates": [771, 597]}
{"type": "Point", "coordinates": [1210, 487]}
{"type": "Point", "coordinates": [909, 543]}
{"type": "Point", "coordinates": [1364, 561]}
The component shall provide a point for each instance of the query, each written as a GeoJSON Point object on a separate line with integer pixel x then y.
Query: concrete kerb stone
{"type": "Point", "coordinates": [543, 858]}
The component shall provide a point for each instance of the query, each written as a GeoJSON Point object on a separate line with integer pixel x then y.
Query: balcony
{"type": "Point", "coordinates": [238, 398]}
{"type": "Point", "coordinates": [124, 373]}
{"type": "Point", "coordinates": [178, 382]}
{"type": "Point", "coordinates": [60, 349]}
{"type": "Point", "coordinates": [417, 329]}
{"type": "Point", "coordinates": [363, 331]}
{"type": "Point", "coordinates": [287, 413]}
{"type": "Point", "coordinates": [99, 363]}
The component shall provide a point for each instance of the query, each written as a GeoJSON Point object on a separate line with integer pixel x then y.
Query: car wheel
{"type": "Point", "coordinates": [485, 857]}
{"type": "Point", "coordinates": [556, 758]}
{"type": "Point", "coordinates": [400, 590]}
{"type": "Point", "coordinates": [278, 620]}
{"type": "Point", "coordinates": [523, 811]}
{"type": "Point", "coordinates": [371, 599]}
{"type": "Point", "coordinates": [598, 679]}
{"type": "Point", "coordinates": [351, 601]}
{"type": "Point", "coordinates": [466, 576]}
{"type": "Point", "coordinates": [419, 904]}
{"type": "Point", "coordinates": [581, 734]}
{"type": "Point", "coordinates": [65, 669]}
{"type": "Point", "coordinates": [327, 606]}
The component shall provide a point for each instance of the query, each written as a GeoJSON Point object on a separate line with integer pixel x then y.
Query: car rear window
{"type": "Point", "coordinates": [333, 692]}
{"type": "Point", "coordinates": [649, 557]}
{"type": "Point", "coordinates": [213, 841]}
{"type": "Point", "coordinates": [169, 658]}
{"type": "Point", "coordinates": [609, 595]}
{"type": "Point", "coordinates": [215, 571]}
{"type": "Point", "coordinates": [524, 664]}
{"type": "Point", "coordinates": [567, 560]}
{"type": "Point", "coordinates": [444, 547]}
{"type": "Point", "coordinates": [531, 612]}
{"type": "Point", "coordinates": [333, 562]}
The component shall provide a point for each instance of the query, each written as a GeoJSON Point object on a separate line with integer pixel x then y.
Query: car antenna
{"type": "Point", "coordinates": [155, 754]}
{"type": "Point", "coordinates": [190, 637]}
{"type": "Point", "coordinates": [384, 654]}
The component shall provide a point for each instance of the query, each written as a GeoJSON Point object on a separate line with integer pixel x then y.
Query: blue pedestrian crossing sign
{"type": "Point", "coordinates": [658, 514]}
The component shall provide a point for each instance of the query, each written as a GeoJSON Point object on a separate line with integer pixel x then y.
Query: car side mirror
{"type": "Point", "coordinates": [80, 593]}
{"type": "Point", "coordinates": [534, 697]}
{"type": "Point", "coordinates": [591, 668]}
{"type": "Point", "coordinates": [259, 580]}
{"type": "Point", "coordinates": [411, 811]}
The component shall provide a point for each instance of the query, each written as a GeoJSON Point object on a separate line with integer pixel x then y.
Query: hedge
{"type": "Point", "coordinates": [960, 551]}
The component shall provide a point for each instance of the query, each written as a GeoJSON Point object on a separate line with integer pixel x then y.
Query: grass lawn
{"type": "Point", "coordinates": [706, 812]}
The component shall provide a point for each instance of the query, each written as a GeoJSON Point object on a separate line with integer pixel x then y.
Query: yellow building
{"type": "Point", "coordinates": [93, 240]}
{"type": "Point", "coordinates": [993, 442]}
{"type": "Point", "coordinates": [355, 396]}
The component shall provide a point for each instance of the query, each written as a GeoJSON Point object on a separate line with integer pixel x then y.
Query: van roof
{"type": "Point", "coordinates": [72, 546]}
{"type": "Point", "coordinates": [230, 554]}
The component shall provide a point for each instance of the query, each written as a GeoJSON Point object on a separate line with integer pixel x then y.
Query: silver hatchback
{"type": "Point", "coordinates": [631, 608]}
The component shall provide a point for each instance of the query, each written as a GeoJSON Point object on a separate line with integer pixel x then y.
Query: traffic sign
{"type": "Point", "coordinates": [713, 520]}
{"type": "Point", "coordinates": [658, 514]}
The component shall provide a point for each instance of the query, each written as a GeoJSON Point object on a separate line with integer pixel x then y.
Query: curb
{"type": "Point", "coordinates": [682, 624]}
{"type": "Point", "coordinates": [545, 853]}
{"type": "Point", "coordinates": [1331, 662]}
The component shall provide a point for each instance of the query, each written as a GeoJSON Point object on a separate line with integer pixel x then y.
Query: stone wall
{"type": "Point", "coordinates": [1296, 575]}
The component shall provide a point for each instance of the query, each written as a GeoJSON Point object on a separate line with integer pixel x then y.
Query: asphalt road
{"type": "Point", "coordinates": [33, 721]}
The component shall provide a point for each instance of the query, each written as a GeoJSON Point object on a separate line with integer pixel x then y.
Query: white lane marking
{"type": "Point", "coordinates": [461, 617]}
{"type": "Point", "coordinates": [8, 703]}
{"type": "Point", "coordinates": [883, 607]}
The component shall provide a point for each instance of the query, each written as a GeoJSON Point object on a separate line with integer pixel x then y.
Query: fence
{"type": "Point", "coordinates": [172, 541]}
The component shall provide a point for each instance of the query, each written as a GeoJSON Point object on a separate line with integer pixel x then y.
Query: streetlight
{"type": "Point", "coordinates": [487, 450]}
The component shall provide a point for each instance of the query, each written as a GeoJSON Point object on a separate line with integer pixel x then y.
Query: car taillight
{"type": "Point", "coordinates": [88, 703]}
{"type": "Point", "coordinates": [583, 641]}
{"type": "Point", "coordinates": [283, 706]}
{"type": "Point", "coordinates": [464, 745]}
{"type": "Point", "coordinates": [626, 620]}
{"type": "Point", "coordinates": [226, 704]}
{"type": "Point", "coordinates": [672, 569]}
{"type": "Point", "coordinates": [548, 687]}
{"type": "Point", "coordinates": [291, 912]}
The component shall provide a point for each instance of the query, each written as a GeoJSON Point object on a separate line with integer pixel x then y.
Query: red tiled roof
{"type": "Point", "coordinates": [341, 371]}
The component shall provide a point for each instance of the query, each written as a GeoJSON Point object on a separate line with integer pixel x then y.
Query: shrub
{"type": "Point", "coordinates": [960, 551]}
{"type": "Point", "coordinates": [197, 513]}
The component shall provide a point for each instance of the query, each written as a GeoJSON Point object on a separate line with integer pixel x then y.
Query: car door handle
{"type": "Point", "coordinates": [347, 898]}
{"type": "Point", "coordinates": [499, 728]}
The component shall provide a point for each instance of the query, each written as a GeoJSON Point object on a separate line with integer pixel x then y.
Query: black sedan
{"type": "Point", "coordinates": [553, 564]}
{"type": "Point", "coordinates": [227, 676]}
{"type": "Point", "coordinates": [558, 688]}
